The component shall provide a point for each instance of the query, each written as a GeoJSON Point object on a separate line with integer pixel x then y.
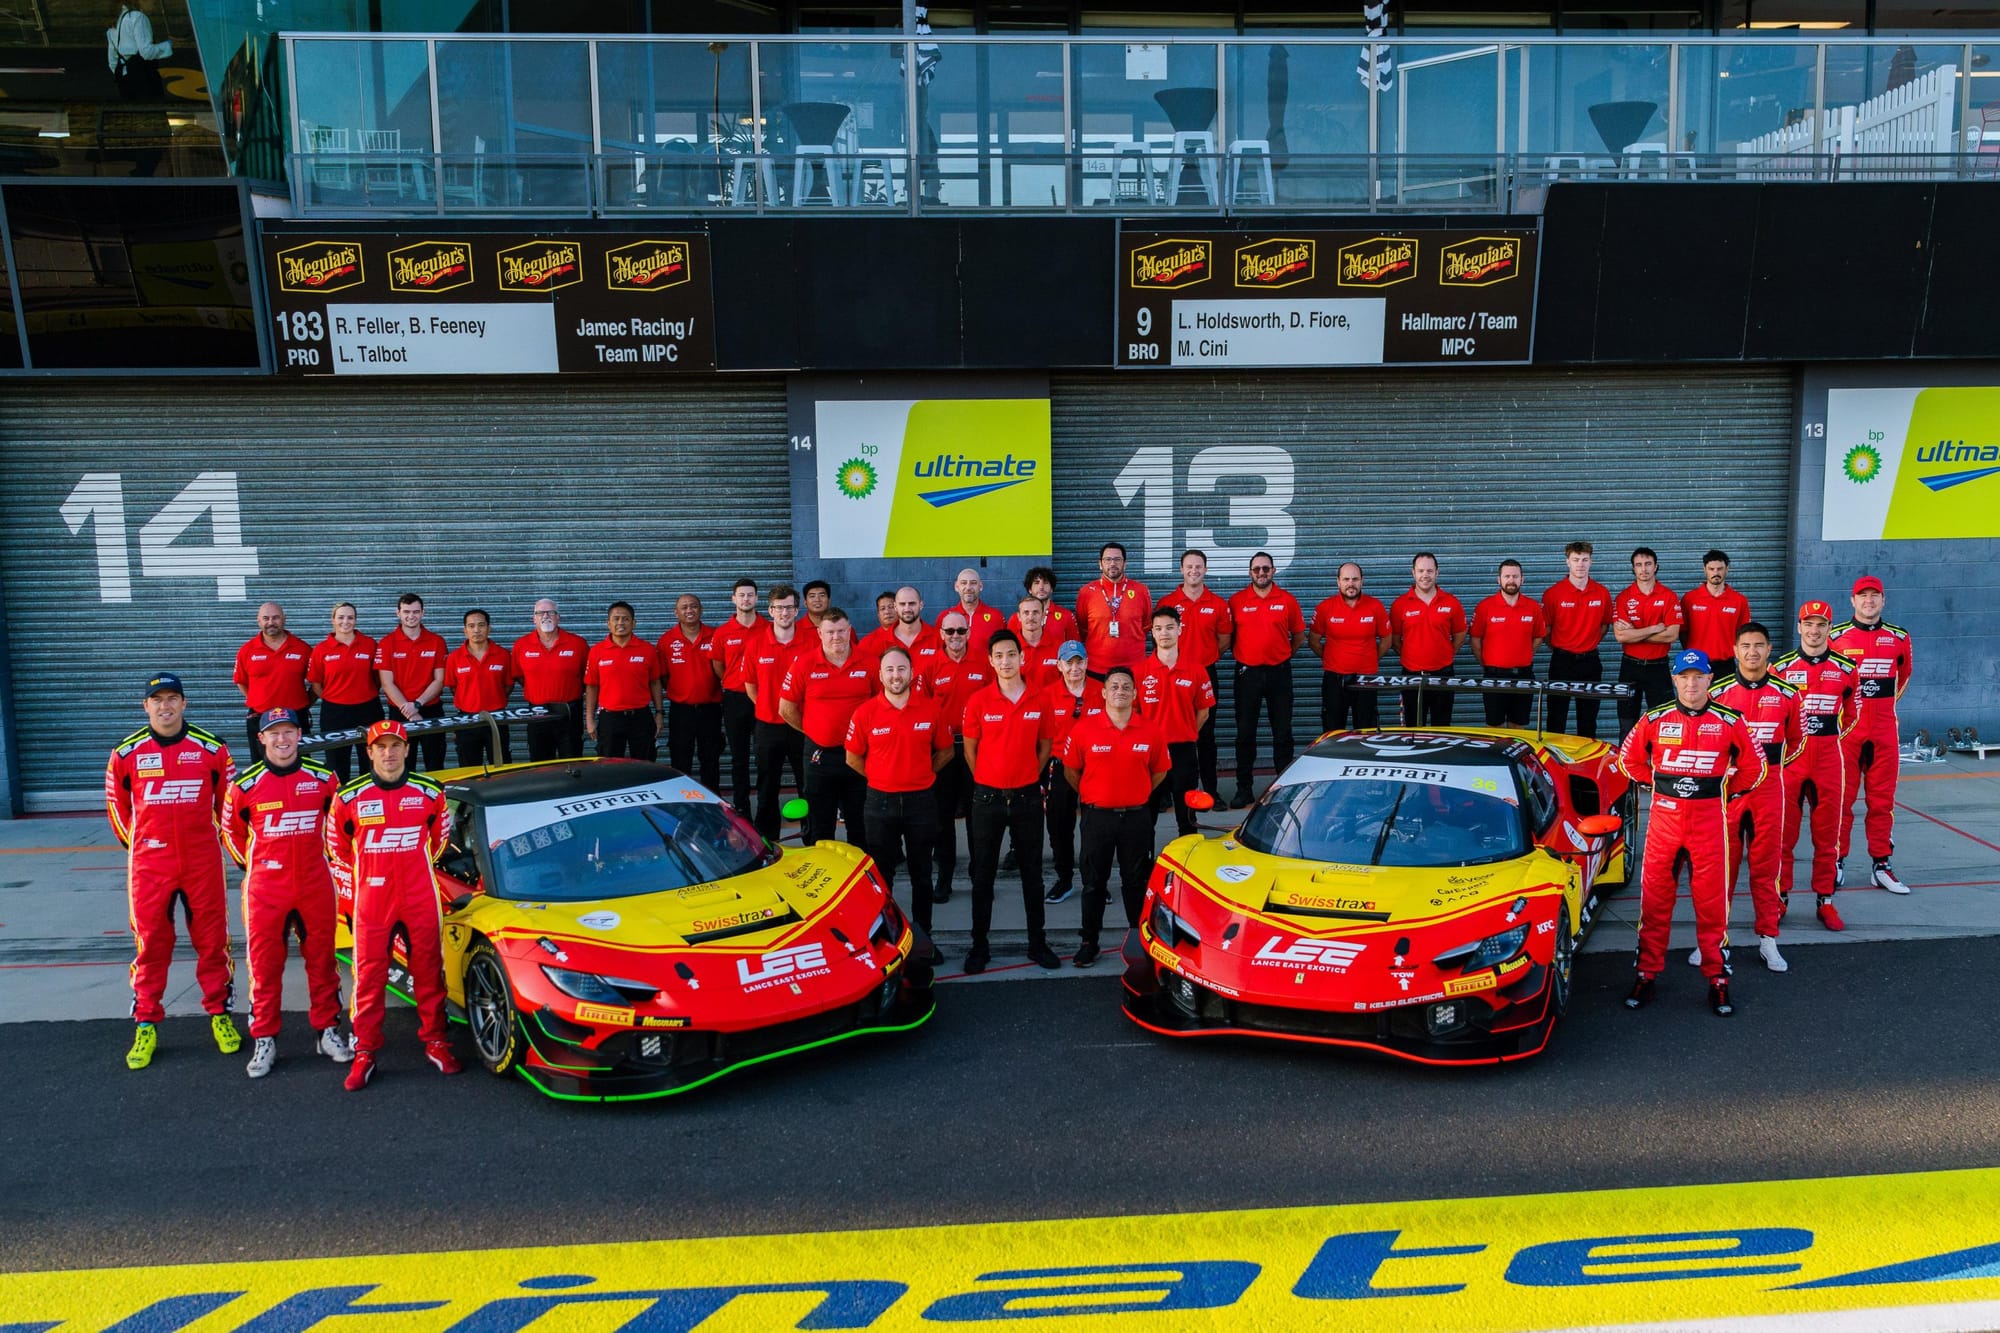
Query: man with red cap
{"type": "Point", "coordinates": [1819, 776]}
{"type": "Point", "coordinates": [1770, 708]}
{"type": "Point", "coordinates": [1882, 658]}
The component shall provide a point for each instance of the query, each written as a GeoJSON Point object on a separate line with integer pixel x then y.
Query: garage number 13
{"type": "Point", "coordinates": [1260, 520]}
{"type": "Point", "coordinates": [99, 500]}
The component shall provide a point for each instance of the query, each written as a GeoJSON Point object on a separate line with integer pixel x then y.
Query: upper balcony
{"type": "Point", "coordinates": [461, 125]}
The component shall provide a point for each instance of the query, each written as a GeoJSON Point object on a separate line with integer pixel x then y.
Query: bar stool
{"type": "Point", "coordinates": [1139, 157]}
{"type": "Point", "coordinates": [1196, 149]}
{"type": "Point", "coordinates": [755, 167]}
{"type": "Point", "coordinates": [809, 159]}
{"type": "Point", "coordinates": [1263, 188]}
{"type": "Point", "coordinates": [884, 161]}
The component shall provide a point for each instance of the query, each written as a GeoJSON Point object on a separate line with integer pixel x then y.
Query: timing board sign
{"type": "Point", "coordinates": [489, 303]}
{"type": "Point", "coordinates": [1324, 298]}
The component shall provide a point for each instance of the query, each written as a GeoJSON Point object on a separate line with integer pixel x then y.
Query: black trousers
{"type": "Point", "coordinates": [834, 792]}
{"type": "Point", "coordinates": [903, 825]}
{"type": "Point", "coordinates": [1509, 710]}
{"type": "Point", "coordinates": [1339, 700]}
{"type": "Point", "coordinates": [999, 813]}
{"type": "Point", "coordinates": [694, 737]}
{"type": "Point", "coordinates": [475, 747]}
{"type": "Point", "coordinates": [345, 717]}
{"type": "Point", "coordinates": [777, 745]}
{"type": "Point", "coordinates": [739, 726]}
{"type": "Point", "coordinates": [560, 739]}
{"type": "Point", "coordinates": [432, 747]}
{"type": "Point", "coordinates": [1581, 667]}
{"type": "Point", "coordinates": [953, 790]}
{"type": "Point", "coordinates": [1126, 837]}
{"type": "Point", "coordinates": [1059, 813]}
{"type": "Point", "coordinates": [1654, 681]}
{"type": "Point", "coordinates": [1436, 704]}
{"type": "Point", "coordinates": [1205, 756]}
{"type": "Point", "coordinates": [1182, 774]}
{"type": "Point", "coordinates": [1263, 690]}
{"type": "Point", "coordinates": [627, 733]}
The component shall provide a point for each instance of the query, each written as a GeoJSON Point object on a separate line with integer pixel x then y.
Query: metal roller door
{"type": "Point", "coordinates": [146, 522]}
{"type": "Point", "coordinates": [1478, 466]}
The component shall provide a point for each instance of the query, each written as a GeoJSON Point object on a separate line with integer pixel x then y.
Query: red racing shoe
{"type": "Point", "coordinates": [439, 1054]}
{"type": "Point", "coordinates": [360, 1071]}
{"type": "Point", "coordinates": [1829, 915]}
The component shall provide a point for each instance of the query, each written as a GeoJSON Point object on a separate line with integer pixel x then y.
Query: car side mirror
{"type": "Point", "coordinates": [460, 903]}
{"type": "Point", "coordinates": [1599, 826]}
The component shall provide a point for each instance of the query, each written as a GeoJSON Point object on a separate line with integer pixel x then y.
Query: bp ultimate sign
{"type": "Point", "coordinates": [1225, 299]}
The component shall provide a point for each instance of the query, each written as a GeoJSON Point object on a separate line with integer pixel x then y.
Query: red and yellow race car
{"type": "Point", "coordinates": [1420, 893]}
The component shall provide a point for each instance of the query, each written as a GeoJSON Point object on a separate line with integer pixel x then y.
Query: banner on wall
{"type": "Point", "coordinates": [1912, 463]}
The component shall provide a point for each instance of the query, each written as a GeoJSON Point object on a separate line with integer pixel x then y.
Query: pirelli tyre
{"type": "Point", "coordinates": [490, 1011]}
{"type": "Point", "coordinates": [1635, 847]}
{"type": "Point", "coordinates": [1562, 966]}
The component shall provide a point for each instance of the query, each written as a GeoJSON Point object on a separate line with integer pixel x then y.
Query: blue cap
{"type": "Point", "coordinates": [276, 717]}
{"type": "Point", "coordinates": [163, 683]}
{"type": "Point", "coordinates": [1072, 651]}
{"type": "Point", "coordinates": [1692, 659]}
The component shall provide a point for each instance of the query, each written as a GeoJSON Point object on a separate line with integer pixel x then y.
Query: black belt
{"type": "Point", "coordinates": [1115, 809]}
{"type": "Point", "coordinates": [1687, 787]}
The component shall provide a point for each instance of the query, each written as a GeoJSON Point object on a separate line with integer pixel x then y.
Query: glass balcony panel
{"type": "Point", "coordinates": [674, 117]}
{"type": "Point", "coordinates": [990, 126]}
{"type": "Point", "coordinates": [1298, 126]}
{"type": "Point", "coordinates": [1982, 122]}
{"type": "Point", "coordinates": [510, 113]}
{"type": "Point", "coordinates": [1753, 99]}
{"type": "Point", "coordinates": [1581, 97]}
{"type": "Point", "coordinates": [830, 109]}
{"type": "Point", "coordinates": [364, 124]}
{"type": "Point", "coordinates": [1440, 121]}
{"type": "Point", "coordinates": [1149, 110]}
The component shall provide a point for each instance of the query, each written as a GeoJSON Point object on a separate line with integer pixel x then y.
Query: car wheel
{"type": "Point", "coordinates": [490, 1011]}
{"type": "Point", "coordinates": [1634, 848]}
{"type": "Point", "coordinates": [1563, 966]}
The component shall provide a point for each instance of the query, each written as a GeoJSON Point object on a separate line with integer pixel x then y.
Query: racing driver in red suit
{"type": "Point", "coordinates": [386, 830]}
{"type": "Point", "coordinates": [1770, 708]}
{"type": "Point", "coordinates": [1827, 684]}
{"type": "Point", "coordinates": [163, 788]}
{"type": "Point", "coordinates": [1882, 658]}
{"type": "Point", "coordinates": [1695, 754]}
{"type": "Point", "coordinates": [274, 831]}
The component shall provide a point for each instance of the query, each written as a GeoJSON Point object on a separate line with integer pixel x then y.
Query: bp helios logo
{"type": "Point", "coordinates": [857, 477]}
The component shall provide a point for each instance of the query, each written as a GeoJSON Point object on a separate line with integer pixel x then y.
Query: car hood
{"type": "Point", "coordinates": [1325, 896]}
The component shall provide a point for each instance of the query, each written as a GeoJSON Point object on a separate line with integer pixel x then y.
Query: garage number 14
{"type": "Point", "coordinates": [99, 500]}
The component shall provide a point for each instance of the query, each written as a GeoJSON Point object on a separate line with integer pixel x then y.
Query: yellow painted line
{"type": "Point", "coordinates": [1896, 1248]}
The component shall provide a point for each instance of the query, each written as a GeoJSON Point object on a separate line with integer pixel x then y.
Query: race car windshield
{"type": "Point", "coordinates": [1383, 822]}
{"type": "Point", "coordinates": [629, 850]}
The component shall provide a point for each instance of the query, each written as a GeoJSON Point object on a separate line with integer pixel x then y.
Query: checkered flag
{"type": "Point", "coordinates": [1377, 66]}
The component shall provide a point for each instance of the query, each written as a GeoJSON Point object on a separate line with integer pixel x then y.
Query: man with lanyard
{"type": "Point", "coordinates": [1040, 584]}
{"type": "Point", "coordinates": [1269, 629]}
{"type": "Point", "coordinates": [1115, 763]}
{"type": "Point", "coordinates": [1112, 614]}
{"type": "Point", "coordinates": [1695, 755]}
{"type": "Point", "coordinates": [897, 741]}
{"type": "Point", "coordinates": [1883, 660]}
{"type": "Point", "coordinates": [1175, 696]}
{"type": "Point", "coordinates": [274, 670]}
{"type": "Point", "coordinates": [739, 715]}
{"type": "Point", "coordinates": [1073, 697]}
{"type": "Point", "coordinates": [275, 830]}
{"type": "Point", "coordinates": [1505, 629]}
{"type": "Point", "coordinates": [982, 620]}
{"type": "Point", "coordinates": [818, 598]}
{"type": "Point", "coordinates": [1770, 708]}
{"type": "Point", "coordinates": [342, 671]}
{"type": "Point", "coordinates": [550, 661]}
{"type": "Point", "coordinates": [818, 698]}
{"type": "Point", "coordinates": [694, 695]}
{"type": "Point", "coordinates": [1821, 775]}
{"type": "Point", "coordinates": [1206, 630]}
{"type": "Point", "coordinates": [164, 789]}
{"type": "Point", "coordinates": [621, 690]}
{"type": "Point", "coordinates": [481, 675]}
{"type": "Point", "coordinates": [1040, 666]}
{"type": "Point", "coordinates": [1577, 610]}
{"type": "Point", "coordinates": [385, 831]}
{"type": "Point", "coordinates": [1429, 628]}
{"type": "Point", "coordinates": [953, 677]}
{"type": "Point", "coordinates": [1008, 734]}
{"type": "Point", "coordinates": [1712, 613]}
{"type": "Point", "coordinates": [1349, 633]}
{"type": "Point", "coordinates": [410, 661]}
{"type": "Point", "coordinates": [1645, 619]}
{"type": "Point", "coordinates": [768, 657]}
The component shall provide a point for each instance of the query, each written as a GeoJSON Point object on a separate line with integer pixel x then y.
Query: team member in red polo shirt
{"type": "Point", "coordinates": [1114, 762]}
{"type": "Point", "coordinates": [621, 690]}
{"type": "Point", "coordinates": [953, 677]}
{"type": "Point", "coordinates": [1712, 613]}
{"type": "Point", "coordinates": [1577, 611]}
{"type": "Point", "coordinates": [819, 696]}
{"type": "Point", "coordinates": [907, 631]}
{"type": "Point", "coordinates": [739, 715]}
{"type": "Point", "coordinates": [410, 661]}
{"type": "Point", "coordinates": [768, 657]}
{"type": "Point", "coordinates": [1175, 696]}
{"type": "Point", "coordinates": [1349, 633]}
{"type": "Point", "coordinates": [981, 620]}
{"type": "Point", "coordinates": [1206, 629]}
{"type": "Point", "coordinates": [273, 671]}
{"type": "Point", "coordinates": [342, 672]}
{"type": "Point", "coordinates": [1009, 731]}
{"type": "Point", "coordinates": [1039, 666]}
{"type": "Point", "coordinates": [1040, 584]}
{"type": "Point", "coordinates": [897, 741]}
{"type": "Point", "coordinates": [549, 660]}
{"type": "Point", "coordinates": [1645, 619]}
{"type": "Point", "coordinates": [481, 675]}
{"type": "Point", "coordinates": [1074, 696]}
{"type": "Point", "coordinates": [1505, 629]}
{"type": "Point", "coordinates": [1269, 629]}
{"type": "Point", "coordinates": [1112, 613]}
{"type": "Point", "coordinates": [694, 695]}
{"type": "Point", "coordinates": [1428, 628]}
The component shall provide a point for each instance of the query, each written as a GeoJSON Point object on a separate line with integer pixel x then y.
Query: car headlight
{"type": "Point", "coordinates": [1170, 929]}
{"type": "Point", "coordinates": [1484, 953]}
{"type": "Point", "coordinates": [598, 990]}
{"type": "Point", "coordinates": [888, 927]}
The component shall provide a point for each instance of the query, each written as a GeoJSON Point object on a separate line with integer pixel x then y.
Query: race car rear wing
{"type": "Point", "coordinates": [450, 722]}
{"type": "Point", "coordinates": [1541, 689]}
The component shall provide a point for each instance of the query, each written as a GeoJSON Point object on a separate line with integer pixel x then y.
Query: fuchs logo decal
{"type": "Point", "coordinates": [1275, 263]}
{"type": "Point", "coordinates": [430, 266]}
{"type": "Point", "coordinates": [320, 266]}
{"type": "Point", "coordinates": [647, 266]}
{"type": "Point", "coordinates": [1165, 265]}
{"type": "Point", "coordinates": [1381, 261]}
{"type": "Point", "coordinates": [1479, 262]}
{"type": "Point", "coordinates": [539, 266]}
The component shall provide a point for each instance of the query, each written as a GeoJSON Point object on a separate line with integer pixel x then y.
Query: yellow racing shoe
{"type": "Point", "coordinates": [145, 1040]}
{"type": "Point", "coordinates": [227, 1038]}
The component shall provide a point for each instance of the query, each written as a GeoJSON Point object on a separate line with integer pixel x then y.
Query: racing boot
{"type": "Point", "coordinates": [227, 1039]}
{"type": "Point", "coordinates": [360, 1071]}
{"type": "Point", "coordinates": [1718, 999]}
{"type": "Point", "coordinates": [1829, 915]}
{"type": "Point", "coordinates": [1885, 878]}
{"type": "Point", "coordinates": [263, 1056]}
{"type": "Point", "coordinates": [1767, 949]}
{"type": "Point", "coordinates": [439, 1053]}
{"type": "Point", "coordinates": [334, 1046]}
{"type": "Point", "coordinates": [1642, 992]}
{"type": "Point", "coordinates": [145, 1040]}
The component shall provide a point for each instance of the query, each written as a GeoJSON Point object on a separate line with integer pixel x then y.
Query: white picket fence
{"type": "Point", "coordinates": [1894, 136]}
